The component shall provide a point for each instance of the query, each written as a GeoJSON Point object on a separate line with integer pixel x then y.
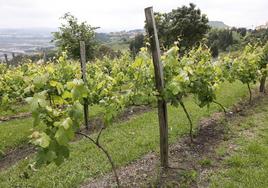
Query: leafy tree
{"type": "Point", "coordinates": [257, 36]}
{"type": "Point", "coordinates": [103, 37]}
{"type": "Point", "coordinates": [105, 50]}
{"type": "Point", "coordinates": [71, 33]}
{"type": "Point", "coordinates": [136, 44]}
{"type": "Point", "coordinates": [223, 39]}
{"type": "Point", "coordinates": [241, 30]}
{"type": "Point", "coordinates": [185, 23]}
{"type": "Point", "coordinates": [238, 41]}
{"type": "Point", "coordinates": [214, 50]}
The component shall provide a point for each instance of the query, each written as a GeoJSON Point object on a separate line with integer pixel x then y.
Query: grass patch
{"type": "Point", "coordinates": [221, 150]}
{"type": "Point", "coordinates": [14, 133]}
{"type": "Point", "coordinates": [205, 162]}
{"type": "Point", "coordinates": [125, 141]}
{"type": "Point", "coordinates": [246, 166]}
{"type": "Point", "coordinates": [14, 109]}
{"type": "Point", "coordinates": [187, 177]}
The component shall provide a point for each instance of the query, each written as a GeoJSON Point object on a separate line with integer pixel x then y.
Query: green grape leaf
{"type": "Point", "coordinates": [40, 139]}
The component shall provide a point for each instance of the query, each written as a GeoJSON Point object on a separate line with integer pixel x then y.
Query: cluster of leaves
{"type": "Point", "coordinates": [14, 83]}
{"type": "Point", "coordinates": [263, 67]}
{"type": "Point", "coordinates": [59, 96]}
{"type": "Point", "coordinates": [24, 80]}
{"type": "Point", "coordinates": [245, 67]}
{"type": "Point", "coordinates": [61, 125]}
{"type": "Point", "coordinates": [194, 73]}
{"type": "Point", "coordinates": [197, 74]}
{"type": "Point", "coordinates": [264, 59]}
{"type": "Point", "coordinates": [248, 67]}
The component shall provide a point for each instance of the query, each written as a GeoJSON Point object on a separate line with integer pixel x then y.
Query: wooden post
{"type": "Point", "coordinates": [83, 70]}
{"type": "Point", "coordinates": [44, 56]}
{"type": "Point", "coordinates": [262, 84]}
{"type": "Point", "coordinates": [159, 80]}
{"type": "Point", "coordinates": [13, 62]}
{"type": "Point", "coordinates": [6, 59]}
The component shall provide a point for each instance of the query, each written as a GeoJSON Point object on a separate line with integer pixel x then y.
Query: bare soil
{"type": "Point", "coordinates": [16, 116]}
{"type": "Point", "coordinates": [15, 155]}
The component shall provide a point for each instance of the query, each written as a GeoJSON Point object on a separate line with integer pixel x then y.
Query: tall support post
{"type": "Point", "coordinates": [13, 61]}
{"type": "Point", "coordinates": [44, 56]}
{"type": "Point", "coordinates": [6, 59]}
{"type": "Point", "coordinates": [84, 77]}
{"type": "Point", "coordinates": [262, 84]}
{"type": "Point", "coordinates": [159, 80]}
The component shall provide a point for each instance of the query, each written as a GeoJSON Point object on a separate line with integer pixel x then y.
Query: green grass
{"type": "Point", "coordinates": [14, 109]}
{"type": "Point", "coordinates": [15, 133]}
{"type": "Point", "coordinates": [20, 108]}
{"type": "Point", "coordinates": [247, 165]}
{"type": "Point", "coordinates": [125, 141]}
{"type": "Point", "coordinates": [205, 162]}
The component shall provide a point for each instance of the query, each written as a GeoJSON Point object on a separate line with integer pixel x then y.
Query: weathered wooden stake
{"type": "Point", "coordinates": [13, 62]}
{"type": "Point", "coordinates": [84, 77]}
{"type": "Point", "coordinates": [44, 56]}
{"type": "Point", "coordinates": [159, 80]}
{"type": "Point", "coordinates": [262, 84]}
{"type": "Point", "coordinates": [6, 59]}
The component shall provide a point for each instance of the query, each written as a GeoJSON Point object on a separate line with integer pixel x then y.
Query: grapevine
{"type": "Point", "coordinates": [56, 93]}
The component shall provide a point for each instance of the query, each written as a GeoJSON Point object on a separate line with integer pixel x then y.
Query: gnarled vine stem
{"type": "Point", "coordinates": [96, 142]}
{"type": "Point", "coordinates": [222, 107]}
{"type": "Point", "coordinates": [250, 93]}
{"type": "Point", "coordinates": [189, 119]}
{"type": "Point", "coordinates": [262, 84]}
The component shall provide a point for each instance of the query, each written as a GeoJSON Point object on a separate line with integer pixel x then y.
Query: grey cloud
{"type": "Point", "coordinates": [124, 14]}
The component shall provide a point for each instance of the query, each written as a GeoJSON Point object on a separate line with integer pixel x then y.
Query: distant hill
{"type": "Point", "coordinates": [34, 40]}
{"type": "Point", "coordinates": [218, 24]}
{"type": "Point", "coordinates": [25, 41]}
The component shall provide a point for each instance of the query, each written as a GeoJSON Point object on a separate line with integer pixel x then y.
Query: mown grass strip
{"type": "Point", "coordinates": [14, 133]}
{"type": "Point", "coordinates": [247, 165]}
{"type": "Point", "coordinates": [14, 109]}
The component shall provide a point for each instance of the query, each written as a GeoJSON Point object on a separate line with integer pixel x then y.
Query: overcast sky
{"type": "Point", "coordinates": [112, 15]}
